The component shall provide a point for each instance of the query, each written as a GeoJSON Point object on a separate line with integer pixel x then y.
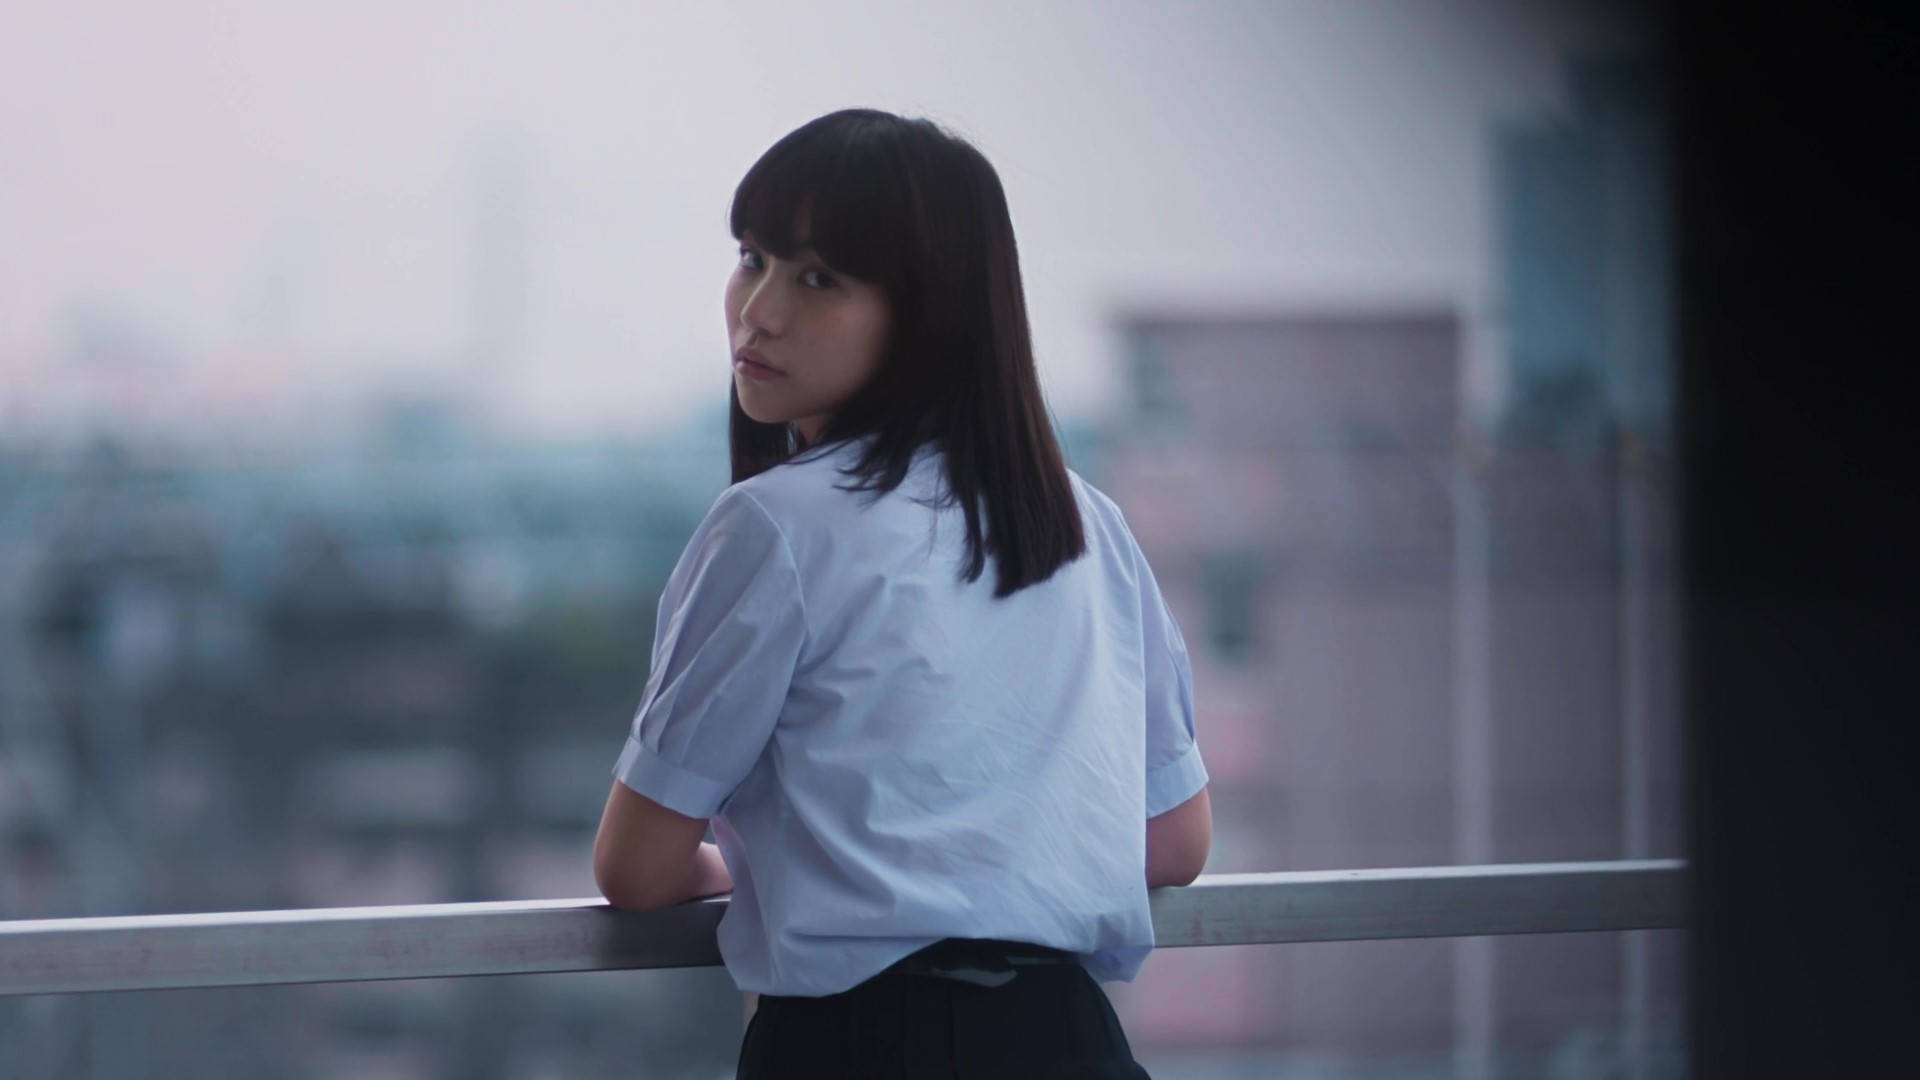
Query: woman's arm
{"type": "Point", "coordinates": [646, 856]}
{"type": "Point", "coordinates": [1178, 842]}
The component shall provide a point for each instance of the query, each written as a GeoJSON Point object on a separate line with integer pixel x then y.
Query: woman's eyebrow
{"type": "Point", "coordinates": [802, 249]}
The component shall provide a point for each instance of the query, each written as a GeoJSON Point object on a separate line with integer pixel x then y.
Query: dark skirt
{"type": "Point", "coordinates": [959, 1008]}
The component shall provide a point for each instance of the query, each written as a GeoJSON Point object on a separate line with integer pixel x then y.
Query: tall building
{"type": "Point", "coordinates": [1577, 503]}
{"type": "Point", "coordinates": [1418, 641]}
{"type": "Point", "coordinates": [1290, 478]}
{"type": "Point", "coordinates": [498, 164]}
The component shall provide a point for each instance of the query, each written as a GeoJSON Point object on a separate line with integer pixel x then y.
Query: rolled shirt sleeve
{"type": "Point", "coordinates": [1175, 771]}
{"type": "Point", "coordinates": [727, 637]}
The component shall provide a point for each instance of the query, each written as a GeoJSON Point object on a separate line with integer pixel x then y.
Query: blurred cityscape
{"type": "Point", "coordinates": [390, 657]}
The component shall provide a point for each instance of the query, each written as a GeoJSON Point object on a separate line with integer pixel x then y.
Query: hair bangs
{"type": "Point", "coordinates": [831, 187]}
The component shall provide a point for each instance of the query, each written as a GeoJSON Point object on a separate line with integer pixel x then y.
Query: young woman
{"type": "Point", "coordinates": [912, 670]}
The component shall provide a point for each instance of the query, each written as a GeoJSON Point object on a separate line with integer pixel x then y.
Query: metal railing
{"type": "Point", "coordinates": [154, 952]}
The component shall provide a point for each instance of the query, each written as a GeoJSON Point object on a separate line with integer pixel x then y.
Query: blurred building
{"type": "Point", "coordinates": [1577, 506]}
{"type": "Point", "coordinates": [1425, 636]}
{"type": "Point", "coordinates": [396, 670]}
{"type": "Point", "coordinates": [1290, 479]}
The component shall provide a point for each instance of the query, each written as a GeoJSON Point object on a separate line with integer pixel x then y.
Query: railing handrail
{"type": "Point", "coordinates": [154, 952]}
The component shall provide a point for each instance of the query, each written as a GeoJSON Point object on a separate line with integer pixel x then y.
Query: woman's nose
{"type": "Point", "coordinates": [763, 311]}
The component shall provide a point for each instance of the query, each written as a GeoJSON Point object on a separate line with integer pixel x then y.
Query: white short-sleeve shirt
{"type": "Point", "coordinates": [890, 755]}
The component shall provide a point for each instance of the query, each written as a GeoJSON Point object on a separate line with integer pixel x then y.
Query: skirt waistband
{"type": "Point", "coordinates": [981, 961]}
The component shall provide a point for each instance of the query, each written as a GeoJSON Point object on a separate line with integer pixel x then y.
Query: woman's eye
{"type": "Point", "coordinates": [749, 258]}
{"type": "Point", "coordinates": [816, 279]}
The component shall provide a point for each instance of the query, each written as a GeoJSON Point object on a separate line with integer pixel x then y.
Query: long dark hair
{"type": "Point", "coordinates": [921, 213]}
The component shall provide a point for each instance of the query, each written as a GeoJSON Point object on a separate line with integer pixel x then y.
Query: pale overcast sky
{"type": "Point", "coordinates": [334, 195]}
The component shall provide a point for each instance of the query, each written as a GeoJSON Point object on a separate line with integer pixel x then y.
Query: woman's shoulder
{"type": "Point", "coordinates": [1105, 512]}
{"type": "Point", "coordinates": [796, 494]}
{"type": "Point", "coordinates": [1088, 493]}
{"type": "Point", "coordinates": [817, 496]}
{"type": "Point", "coordinates": [1106, 528]}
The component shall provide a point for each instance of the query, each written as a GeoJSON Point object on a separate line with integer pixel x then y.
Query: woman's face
{"type": "Point", "coordinates": [805, 338]}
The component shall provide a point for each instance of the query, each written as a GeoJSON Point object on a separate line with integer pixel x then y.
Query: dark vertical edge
{"type": "Point", "coordinates": [1795, 142]}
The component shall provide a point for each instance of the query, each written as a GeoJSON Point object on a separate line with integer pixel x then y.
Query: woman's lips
{"type": "Point", "coordinates": [749, 363]}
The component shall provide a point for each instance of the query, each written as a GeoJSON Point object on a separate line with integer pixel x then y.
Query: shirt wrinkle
{"type": "Point", "coordinates": [786, 549]}
{"type": "Point", "coordinates": [889, 754]}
